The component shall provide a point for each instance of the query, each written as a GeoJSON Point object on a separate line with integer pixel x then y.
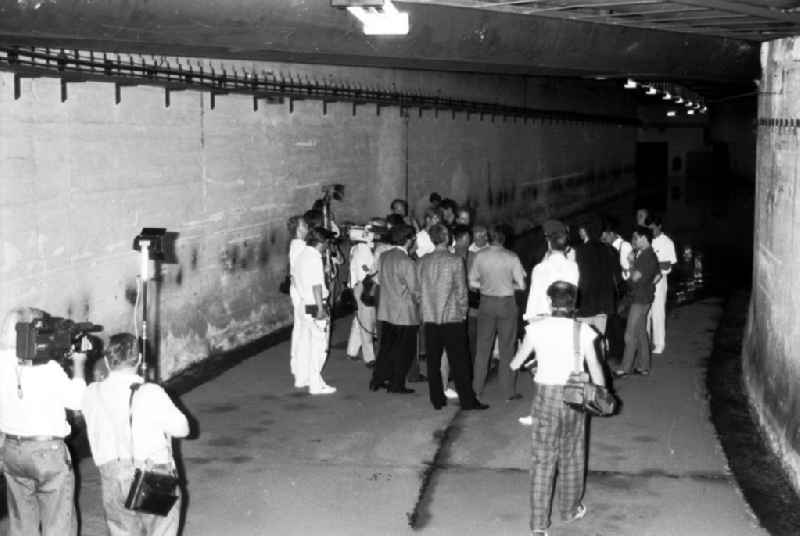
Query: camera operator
{"type": "Point", "coordinates": [131, 424]}
{"type": "Point", "coordinates": [38, 467]}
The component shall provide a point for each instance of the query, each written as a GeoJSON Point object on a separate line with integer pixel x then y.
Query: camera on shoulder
{"type": "Point", "coordinates": [51, 338]}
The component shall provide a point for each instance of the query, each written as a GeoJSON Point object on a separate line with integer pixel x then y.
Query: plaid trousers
{"type": "Point", "coordinates": [559, 447]}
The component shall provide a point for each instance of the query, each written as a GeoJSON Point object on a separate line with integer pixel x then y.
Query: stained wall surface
{"type": "Point", "coordinates": [79, 179]}
{"type": "Point", "coordinates": [771, 359]}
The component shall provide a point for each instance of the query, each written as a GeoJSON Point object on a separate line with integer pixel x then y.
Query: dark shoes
{"type": "Point", "coordinates": [476, 406]}
{"type": "Point", "coordinates": [439, 406]}
{"type": "Point", "coordinates": [514, 397]}
{"type": "Point", "coordinates": [370, 365]}
{"type": "Point", "coordinates": [374, 386]}
{"type": "Point", "coordinates": [401, 391]}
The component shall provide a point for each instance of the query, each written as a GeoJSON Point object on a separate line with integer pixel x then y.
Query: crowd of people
{"type": "Point", "coordinates": [448, 291]}
{"type": "Point", "coordinates": [452, 293]}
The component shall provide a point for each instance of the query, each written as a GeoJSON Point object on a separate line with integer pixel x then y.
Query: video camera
{"type": "Point", "coordinates": [51, 338]}
{"type": "Point", "coordinates": [367, 233]}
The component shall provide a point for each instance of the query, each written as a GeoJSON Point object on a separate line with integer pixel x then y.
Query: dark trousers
{"type": "Point", "coordinates": [637, 343]}
{"type": "Point", "coordinates": [496, 315]}
{"type": "Point", "coordinates": [472, 336]}
{"type": "Point", "coordinates": [397, 349]}
{"type": "Point", "coordinates": [453, 338]}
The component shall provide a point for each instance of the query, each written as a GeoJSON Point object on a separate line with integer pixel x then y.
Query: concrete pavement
{"type": "Point", "coordinates": [270, 460]}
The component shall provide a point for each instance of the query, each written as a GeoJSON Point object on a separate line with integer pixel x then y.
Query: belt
{"type": "Point", "coordinates": [33, 438]}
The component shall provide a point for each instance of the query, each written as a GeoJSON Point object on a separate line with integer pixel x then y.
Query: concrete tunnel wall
{"type": "Point", "coordinates": [771, 361]}
{"type": "Point", "coordinates": [79, 179]}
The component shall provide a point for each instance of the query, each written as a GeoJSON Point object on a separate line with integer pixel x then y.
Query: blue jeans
{"type": "Point", "coordinates": [115, 479]}
{"type": "Point", "coordinates": [41, 488]}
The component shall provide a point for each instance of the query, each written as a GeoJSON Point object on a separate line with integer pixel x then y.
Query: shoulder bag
{"type": "Point", "coordinates": [151, 492]}
{"type": "Point", "coordinates": [580, 393]}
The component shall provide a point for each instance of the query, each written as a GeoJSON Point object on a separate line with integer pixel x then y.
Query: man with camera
{"type": "Point", "coordinates": [309, 276]}
{"type": "Point", "coordinates": [130, 424]}
{"type": "Point", "coordinates": [34, 394]}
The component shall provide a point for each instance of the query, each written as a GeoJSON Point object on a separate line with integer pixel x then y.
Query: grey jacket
{"type": "Point", "coordinates": [399, 289]}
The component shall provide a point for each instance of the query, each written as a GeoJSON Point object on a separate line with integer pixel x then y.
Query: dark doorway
{"type": "Point", "coordinates": [652, 161]}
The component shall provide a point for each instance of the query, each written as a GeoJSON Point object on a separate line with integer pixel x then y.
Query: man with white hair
{"type": "Point", "coordinates": [38, 468]}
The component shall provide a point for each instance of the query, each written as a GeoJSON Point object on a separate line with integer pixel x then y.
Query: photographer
{"type": "Point", "coordinates": [131, 424]}
{"type": "Point", "coordinates": [38, 467]}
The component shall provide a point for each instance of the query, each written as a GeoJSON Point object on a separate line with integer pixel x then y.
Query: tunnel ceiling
{"type": "Point", "coordinates": [541, 38]}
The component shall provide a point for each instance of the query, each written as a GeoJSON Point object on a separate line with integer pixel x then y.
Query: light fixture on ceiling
{"type": "Point", "coordinates": [630, 84]}
{"type": "Point", "coordinates": [690, 111]}
{"type": "Point", "coordinates": [667, 96]}
{"type": "Point", "coordinates": [378, 17]}
{"type": "Point", "coordinates": [679, 100]}
{"type": "Point", "coordinates": [703, 110]}
{"type": "Point", "coordinates": [651, 91]}
{"type": "Point", "coordinates": [671, 113]}
{"type": "Point", "coordinates": [689, 104]}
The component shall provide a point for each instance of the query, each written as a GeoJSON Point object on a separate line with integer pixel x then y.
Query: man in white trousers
{"type": "Point", "coordinates": [312, 343]}
{"type": "Point", "coordinates": [298, 229]}
{"type": "Point", "coordinates": [362, 330]}
{"type": "Point", "coordinates": [664, 248]}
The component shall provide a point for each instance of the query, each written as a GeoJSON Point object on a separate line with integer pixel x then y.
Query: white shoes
{"type": "Point", "coordinates": [527, 420]}
{"type": "Point", "coordinates": [324, 390]}
{"type": "Point", "coordinates": [450, 394]}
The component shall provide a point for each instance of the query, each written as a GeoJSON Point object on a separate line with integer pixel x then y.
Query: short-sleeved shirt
{"type": "Point", "coordinates": [107, 407]}
{"type": "Point", "coordinates": [554, 343]}
{"type": "Point", "coordinates": [664, 248]}
{"type": "Point", "coordinates": [46, 391]}
{"type": "Point", "coordinates": [555, 267]}
{"type": "Point", "coordinates": [424, 244]}
{"type": "Point", "coordinates": [624, 248]}
{"type": "Point", "coordinates": [497, 272]}
{"type": "Point", "coordinates": [309, 272]}
{"type": "Point", "coordinates": [646, 263]}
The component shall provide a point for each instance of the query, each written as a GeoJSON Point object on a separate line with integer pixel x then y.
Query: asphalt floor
{"type": "Point", "coordinates": [267, 459]}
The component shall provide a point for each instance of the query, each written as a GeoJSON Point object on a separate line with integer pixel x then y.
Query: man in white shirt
{"type": "Point", "coordinates": [38, 468]}
{"type": "Point", "coordinates": [131, 424]}
{"type": "Point", "coordinates": [664, 248]}
{"type": "Point", "coordinates": [424, 244]}
{"type": "Point", "coordinates": [554, 267]}
{"type": "Point", "coordinates": [362, 329]}
{"type": "Point", "coordinates": [561, 345]}
{"type": "Point", "coordinates": [298, 229]}
{"type": "Point", "coordinates": [309, 276]}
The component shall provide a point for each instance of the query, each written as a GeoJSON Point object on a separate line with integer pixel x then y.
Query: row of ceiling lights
{"type": "Point", "coordinates": [674, 93]}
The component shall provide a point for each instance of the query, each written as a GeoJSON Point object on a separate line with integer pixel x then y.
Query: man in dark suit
{"type": "Point", "coordinates": [600, 274]}
{"type": "Point", "coordinates": [397, 312]}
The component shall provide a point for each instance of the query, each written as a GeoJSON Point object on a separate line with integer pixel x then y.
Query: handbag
{"type": "Point", "coordinates": [369, 291]}
{"type": "Point", "coordinates": [580, 393]}
{"type": "Point", "coordinates": [151, 492]}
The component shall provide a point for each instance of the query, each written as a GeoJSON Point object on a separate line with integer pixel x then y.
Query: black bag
{"type": "Point", "coordinates": [347, 298]}
{"type": "Point", "coordinates": [152, 492]}
{"type": "Point", "coordinates": [369, 291]}
{"type": "Point", "coordinates": [580, 393]}
{"type": "Point", "coordinates": [286, 284]}
{"type": "Point", "coordinates": [473, 299]}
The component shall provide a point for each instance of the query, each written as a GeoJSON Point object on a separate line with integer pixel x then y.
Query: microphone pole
{"type": "Point", "coordinates": [144, 265]}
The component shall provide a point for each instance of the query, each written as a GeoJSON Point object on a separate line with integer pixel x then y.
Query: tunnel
{"type": "Point", "coordinates": [218, 121]}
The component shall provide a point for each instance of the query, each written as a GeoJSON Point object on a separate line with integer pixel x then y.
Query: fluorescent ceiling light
{"type": "Point", "coordinates": [667, 96]}
{"type": "Point", "coordinates": [630, 84]}
{"type": "Point", "coordinates": [679, 100]}
{"type": "Point", "coordinates": [651, 91]}
{"type": "Point", "coordinates": [671, 113]}
{"type": "Point", "coordinates": [386, 20]}
{"type": "Point", "coordinates": [690, 112]}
